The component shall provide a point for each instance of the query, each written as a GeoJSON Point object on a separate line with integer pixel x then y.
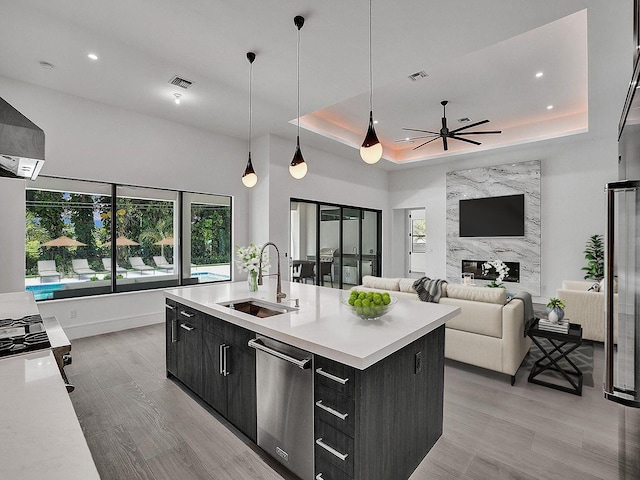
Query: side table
{"type": "Point", "coordinates": [562, 344]}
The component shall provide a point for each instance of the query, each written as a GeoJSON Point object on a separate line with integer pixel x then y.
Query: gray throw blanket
{"type": "Point", "coordinates": [529, 316]}
{"type": "Point", "coordinates": [429, 290]}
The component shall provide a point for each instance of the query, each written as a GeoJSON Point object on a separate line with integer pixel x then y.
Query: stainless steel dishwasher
{"type": "Point", "coordinates": [284, 380]}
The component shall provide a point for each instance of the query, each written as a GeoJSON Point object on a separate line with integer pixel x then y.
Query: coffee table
{"type": "Point", "coordinates": [562, 344]}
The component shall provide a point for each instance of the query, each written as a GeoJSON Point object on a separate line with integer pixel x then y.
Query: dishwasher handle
{"type": "Point", "coordinates": [258, 345]}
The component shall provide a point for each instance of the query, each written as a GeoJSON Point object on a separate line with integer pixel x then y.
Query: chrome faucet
{"type": "Point", "coordinates": [279, 294]}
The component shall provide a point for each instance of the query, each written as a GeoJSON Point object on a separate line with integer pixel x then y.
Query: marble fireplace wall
{"type": "Point", "coordinates": [497, 181]}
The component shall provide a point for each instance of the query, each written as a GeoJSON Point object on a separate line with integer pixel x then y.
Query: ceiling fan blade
{"type": "Point", "coordinates": [469, 126]}
{"type": "Point", "coordinates": [404, 140]}
{"type": "Point", "coordinates": [444, 141]}
{"type": "Point", "coordinates": [423, 144]}
{"type": "Point", "coordinates": [423, 131]}
{"type": "Point", "coordinates": [465, 140]}
{"type": "Point", "coordinates": [478, 133]}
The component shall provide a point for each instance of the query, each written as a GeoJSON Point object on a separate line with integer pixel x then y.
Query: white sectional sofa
{"type": "Point", "coordinates": [488, 333]}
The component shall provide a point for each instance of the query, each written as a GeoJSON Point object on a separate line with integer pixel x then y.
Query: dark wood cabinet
{"type": "Point", "coordinates": [230, 373]}
{"type": "Point", "coordinates": [189, 348]}
{"type": "Point", "coordinates": [172, 338]}
{"type": "Point", "coordinates": [379, 423]}
{"type": "Point", "coordinates": [212, 358]}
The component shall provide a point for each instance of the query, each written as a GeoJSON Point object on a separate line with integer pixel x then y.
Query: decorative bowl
{"type": "Point", "coordinates": [372, 312]}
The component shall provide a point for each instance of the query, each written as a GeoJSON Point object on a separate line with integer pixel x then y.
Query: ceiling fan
{"type": "Point", "coordinates": [445, 133]}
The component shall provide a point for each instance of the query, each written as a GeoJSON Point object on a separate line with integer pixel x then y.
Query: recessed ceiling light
{"type": "Point", "coordinates": [46, 65]}
{"type": "Point", "coordinates": [92, 56]}
{"type": "Point", "coordinates": [177, 99]}
{"type": "Point", "coordinates": [539, 74]}
{"type": "Point", "coordinates": [375, 122]}
{"type": "Point", "coordinates": [549, 107]}
{"type": "Point", "coordinates": [407, 139]}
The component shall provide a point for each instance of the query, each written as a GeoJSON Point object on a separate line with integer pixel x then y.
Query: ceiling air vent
{"type": "Point", "coordinates": [464, 120]}
{"type": "Point", "coordinates": [418, 75]}
{"type": "Point", "coordinates": [180, 82]}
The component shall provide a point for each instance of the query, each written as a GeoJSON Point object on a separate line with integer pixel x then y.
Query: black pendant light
{"type": "Point", "coordinates": [298, 167]}
{"type": "Point", "coordinates": [371, 149]}
{"type": "Point", "coordinates": [249, 179]}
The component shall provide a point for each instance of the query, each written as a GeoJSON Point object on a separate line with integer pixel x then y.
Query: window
{"type": "Point", "coordinates": [69, 226]}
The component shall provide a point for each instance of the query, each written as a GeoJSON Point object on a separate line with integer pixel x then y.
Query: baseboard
{"type": "Point", "coordinates": [112, 325]}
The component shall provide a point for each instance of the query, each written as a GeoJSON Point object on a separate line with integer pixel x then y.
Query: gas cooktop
{"type": "Point", "coordinates": [22, 335]}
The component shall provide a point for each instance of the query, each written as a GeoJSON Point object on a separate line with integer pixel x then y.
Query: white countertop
{"type": "Point", "coordinates": [322, 325]}
{"type": "Point", "coordinates": [40, 436]}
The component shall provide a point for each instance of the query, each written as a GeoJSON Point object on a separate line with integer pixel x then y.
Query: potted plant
{"type": "Point", "coordinates": [555, 310]}
{"type": "Point", "coordinates": [594, 254]}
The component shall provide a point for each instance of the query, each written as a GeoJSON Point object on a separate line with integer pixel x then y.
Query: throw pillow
{"type": "Point", "coordinates": [594, 288]}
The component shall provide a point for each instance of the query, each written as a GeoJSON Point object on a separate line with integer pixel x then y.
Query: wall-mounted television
{"type": "Point", "coordinates": [492, 216]}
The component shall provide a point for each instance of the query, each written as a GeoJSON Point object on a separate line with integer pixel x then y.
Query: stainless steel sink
{"type": "Point", "coordinates": [258, 308]}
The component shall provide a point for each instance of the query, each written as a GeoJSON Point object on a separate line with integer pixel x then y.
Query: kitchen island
{"type": "Point", "coordinates": [377, 385]}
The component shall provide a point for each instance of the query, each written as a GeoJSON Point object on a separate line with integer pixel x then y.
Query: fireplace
{"type": "Point", "coordinates": [475, 267]}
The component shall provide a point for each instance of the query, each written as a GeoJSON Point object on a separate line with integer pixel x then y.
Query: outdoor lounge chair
{"type": "Point", "coordinates": [162, 263]}
{"type": "Point", "coordinates": [81, 267]}
{"type": "Point", "coordinates": [138, 264]}
{"type": "Point", "coordinates": [47, 268]}
{"type": "Point", "coordinates": [106, 262]}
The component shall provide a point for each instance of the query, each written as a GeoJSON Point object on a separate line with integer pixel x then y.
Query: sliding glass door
{"type": "Point", "coordinates": [342, 242]}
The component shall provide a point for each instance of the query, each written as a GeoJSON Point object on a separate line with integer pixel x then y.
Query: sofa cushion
{"type": "Point", "coordinates": [476, 317]}
{"type": "Point", "coordinates": [393, 293]}
{"type": "Point", "coordinates": [381, 283]}
{"type": "Point", "coordinates": [477, 294]}
{"type": "Point", "coordinates": [406, 285]}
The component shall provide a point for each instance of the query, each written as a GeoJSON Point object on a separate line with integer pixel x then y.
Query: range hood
{"type": "Point", "coordinates": [21, 144]}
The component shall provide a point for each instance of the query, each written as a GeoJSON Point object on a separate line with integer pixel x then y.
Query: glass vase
{"type": "Point", "coordinates": [252, 281]}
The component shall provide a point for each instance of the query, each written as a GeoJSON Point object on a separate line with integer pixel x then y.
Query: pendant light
{"type": "Point", "coordinates": [298, 167]}
{"type": "Point", "coordinates": [249, 179]}
{"type": "Point", "coordinates": [371, 149]}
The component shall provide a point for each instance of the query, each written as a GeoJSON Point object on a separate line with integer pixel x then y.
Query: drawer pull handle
{"type": "Point", "coordinates": [336, 413]}
{"type": "Point", "coordinates": [319, 476]}
{"type": "Point", "coordinates": [343, 381]}
{"type": "Point", "coordinates": [187, 314]}
{"type": "Point", "coordinates": [170, 307]}
{"type": "Point", "coordinates": [187, 327]}
{"type": "Point", "coordinates": [331, 450]}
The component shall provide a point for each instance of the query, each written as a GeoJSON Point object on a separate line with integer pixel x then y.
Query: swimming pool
{"type": "Point", "coordinates": [44, 291]}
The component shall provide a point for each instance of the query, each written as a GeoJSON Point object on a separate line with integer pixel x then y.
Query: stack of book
{"type": "Point", "coordinates": [560, 327]}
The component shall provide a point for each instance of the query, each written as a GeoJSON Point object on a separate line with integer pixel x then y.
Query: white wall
{"type": "Point", "coordinates": [93, 141]}
{"type": "Point", "coordinates": [12, 234]}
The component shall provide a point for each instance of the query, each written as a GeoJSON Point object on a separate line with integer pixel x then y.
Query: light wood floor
{"type": "Point", "coordinates": [139, 425]}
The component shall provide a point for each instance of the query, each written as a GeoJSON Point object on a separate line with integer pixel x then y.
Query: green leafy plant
{"type": "Point", "coordinates": [556, 303]}
{"type": "Point", "coordinates": [594, 254]}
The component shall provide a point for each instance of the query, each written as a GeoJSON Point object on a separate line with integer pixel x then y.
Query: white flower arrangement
{"type": "Point", "coordinates": [249, 258]}
{"type": "Point", "coordinates": [501, 271]}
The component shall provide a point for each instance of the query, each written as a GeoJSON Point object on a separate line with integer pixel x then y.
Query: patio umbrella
{"type": "Point", "coordinates": [165, 241]}
{"type": "Point", "coordinates": [121, 242]}
{"type": "Point", "coordinates": [63, 242]}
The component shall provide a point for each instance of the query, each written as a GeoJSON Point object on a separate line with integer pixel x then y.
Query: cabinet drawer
{"type": "Point", "coordinates": [334, 375]}
{"type": "Point", "coordinates": [335, 409]}
{"type": "Point", "coordinates": [334, 447]}
{"type": "Point", "coordinates": [326, 471]}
